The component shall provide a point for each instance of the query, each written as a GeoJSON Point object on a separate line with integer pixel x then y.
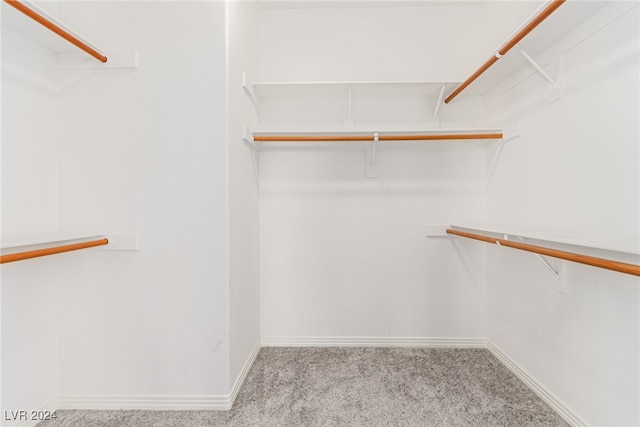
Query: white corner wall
{"type": "Point", "coordinates": [146, 152]}
{"type": "Point", "coordinates": [128, 151]}
{"type": "Point", "coordinates": [29, 189]}
{"type": "Point", "coordinates": [345, 258]}
{"type": "Point", "coordinates": [244, 275]}
{"type": "Point", "coordinates": [576, 168]}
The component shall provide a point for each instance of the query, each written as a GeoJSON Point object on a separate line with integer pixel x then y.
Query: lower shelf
{"type": "Point", "coordinates": [341, 139]}
{"type": "Point", "coordinates": [22, 248]}
{"type": "Point", "coordinates": [484, 235]}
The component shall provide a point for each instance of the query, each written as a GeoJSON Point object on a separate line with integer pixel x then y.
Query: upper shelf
{"type": "Point", "coordinates": [49, 30]}
{"type": "Point", "coordinates": [341, 88]}
{"type": "Point", "coordinates": [25, 25]}
{"type": "Point", "coordinates": [566, 18]}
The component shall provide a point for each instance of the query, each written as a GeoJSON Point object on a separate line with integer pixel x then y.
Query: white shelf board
{"type": "Point", "coordinates": [606, 243]}
{"type": "Point", "coordinates": [359, 132]}
{"type": "Point", "coordinates": [560, 23]}
{"type": "Point", "coordinates": [13, 244]}
{"type": "Point", "coordinates": [340, 88]}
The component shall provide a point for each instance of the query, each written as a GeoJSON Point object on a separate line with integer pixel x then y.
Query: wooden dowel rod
{"type": "Point", "coordinates": [50, 251]}
{"type": "Point", "coordinates": [555, 4]}
{"type": "Point", "coordinates": [311, 138]}
{"type": "Point", "coordinates": [470, 80]}
{"type": "Point", "coordinates": [348, 138]}
{"type": "Point", "coordinates": [440, 137]}
{"type": "Point", "coordinates": [56, 29]}
{"type": "Point", "coordinates": [569, 256]}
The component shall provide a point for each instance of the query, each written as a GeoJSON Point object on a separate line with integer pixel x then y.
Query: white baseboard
{"type": "Point", "coordinates": [243, 373]}
{"type": "Point", "coordinates": [163, 402]}
{"type": "Point", "coordinates": [373, 342]}
{"type": "Point", "coordinates": [148, 402]}
{"type": "Point", "coordinates": [556, 404]}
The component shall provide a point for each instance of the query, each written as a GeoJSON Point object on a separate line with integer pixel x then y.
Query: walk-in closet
{"type": "Point", "coordinates": [320, 212]}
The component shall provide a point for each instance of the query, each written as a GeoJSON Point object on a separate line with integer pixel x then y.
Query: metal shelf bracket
{"type": "Point", "coordinates": [372, 167]}
{"type": "Point", "coordinates": [255, 151]}
{"type": "Point", "coordinates": [248, 89]}
{"type": "Point", "coordinates": [439, 102]}
{"type": "Point", "coordinates": [556, 84]}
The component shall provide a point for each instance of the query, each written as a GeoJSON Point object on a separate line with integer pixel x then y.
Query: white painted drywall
{"type": "Point", "coordinates": [29, 200]}
{"type": "Point", "coordinates": [432, 41]}
{"type": "Point", "coordinates": [244, 267]}
{"type": "Point", "coordinates": [346, 256]}
{"type": "Point", "coordinates": [343, 256]}
{"type": "Point", "coordinates": [145, 151]}
{"type": "Point", "coordinates": [576, 168]}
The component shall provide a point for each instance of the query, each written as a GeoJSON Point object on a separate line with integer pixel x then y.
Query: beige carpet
{"type": "Point", "coordinates": [358, 387]}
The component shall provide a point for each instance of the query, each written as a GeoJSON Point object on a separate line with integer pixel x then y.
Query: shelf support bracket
{"type": "Point", "coordinates": [439, 102]}
{"type": "Point", "coordinates": [255, 151]}
{"type": "Point", "coordinates": [537, 66]}
{"type": "Point", "coordinates": [540, 258]}
{"type": "Point", "coordinates": [248, 89]}
{"type": "Point", "coordinates": [372, 167]}
{"type": "Point", "coordinates": [556, 83]}
{"type": "Point", "coordinates": [544, 261]}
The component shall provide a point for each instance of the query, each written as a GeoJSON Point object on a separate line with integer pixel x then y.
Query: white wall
{"type": "Point", "coordinates": [342, 256]}
{"type": "Point", "coordinates": [575, 169]}
{"type": "Point", "coordinates": [29, 174]}
{"type": "Point", "coordinates": [141, 152]}
{"type": "Point", "coordinates": [144, 151]}
{"type": "Point", "coordinates": [431, 41]}
{"type": "Point", "coordinates": [244, 276]}
{"type": "Point", "coordinates": [346, 256]}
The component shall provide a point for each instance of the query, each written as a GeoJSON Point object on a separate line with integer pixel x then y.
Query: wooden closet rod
{"type": "Point", "coordinates": [50, 251]}
{"type": "Point", "coordinates": [349, 138]}
{"type": "Point", "coordinates": [555, 4]}
{"type": "Point", "coordinates": [56, 29]}
{"type": "Point", "coordinates": [569, 256]}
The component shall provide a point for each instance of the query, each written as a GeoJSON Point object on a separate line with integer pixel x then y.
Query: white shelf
{"type": "Point", "coordinates": [558, 25]}
{"type": "Point", "coordinates": [629, 246]}
{"type": "Point", "coordinates": [340, 88]}
{"type": "Point", "coordinates": [13, 244]}
{"type": "Point", "coordinates": [24, 34]}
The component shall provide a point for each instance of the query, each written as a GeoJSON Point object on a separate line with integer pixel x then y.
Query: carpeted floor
{"type": "Point", "coordinates": [358, 387]}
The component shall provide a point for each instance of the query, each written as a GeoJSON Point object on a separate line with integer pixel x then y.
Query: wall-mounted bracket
{"type": "Point", "coordinates": [540, 258]}
{"type": "Point", "coordinates": [544, 261]}
{"type": "Point", "coordinates": [556, 83]}
{"type": "Point", "coordinates": [556, 275]}
{"type": "Point", "coordinates": [255, 151]}
{"type": "Point", "coordinates": [508, 133]}
{"type": "Point", "coordinates": [437, 231]}
{"type": "Point", "coordinates": [372, 167]}
{"type": "Point", "coordinates": [511, 132]}
{"type": "Point", "coordinates": [248, 89]}
{"type": "Point", "coordinates": [438, 103]}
